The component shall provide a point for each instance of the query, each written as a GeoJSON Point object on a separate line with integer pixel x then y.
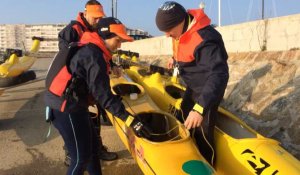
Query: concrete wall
{"type": "Point", "coordinates": [152, 46]}
{"type": "Point", "coordinates": [274, 34]}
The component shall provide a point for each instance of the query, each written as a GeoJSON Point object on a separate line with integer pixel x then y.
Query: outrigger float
{"type": "Point", "coordinates": [15, 65]}
{"type": "Point", "coordinates": [15, 69]}
{"type": "Point", "coordinates": [239, 149]}
{"type": "Point", "coordinates": [170, 150]}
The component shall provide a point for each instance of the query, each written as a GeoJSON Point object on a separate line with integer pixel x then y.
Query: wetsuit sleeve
{"type": "Point", "coordinates": [99, 86]}
{"type": "Point", "coordinates": [213, 56]}
{"type": "Point", "coordinates": [66, 36]}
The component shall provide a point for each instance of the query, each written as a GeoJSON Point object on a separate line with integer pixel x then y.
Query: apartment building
{"type": "Point", "coordinates": [12, 36]}
{"type": "Point", "coordinates": [20, 36]}
{"type": "Point", "coordinates": [47, 31]}
{"type": "Point", "coordinates": [138, 34]}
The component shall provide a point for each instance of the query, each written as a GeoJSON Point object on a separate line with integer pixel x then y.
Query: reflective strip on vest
{"type": "Point", "coordinates": [63, 106]}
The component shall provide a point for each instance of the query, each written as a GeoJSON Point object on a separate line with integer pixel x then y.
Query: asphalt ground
{"type": "Point", "coordinates": [23, 148]}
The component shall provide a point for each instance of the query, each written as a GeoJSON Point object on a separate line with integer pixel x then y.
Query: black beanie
{"type": "Point", "coordinates": [169, 15]}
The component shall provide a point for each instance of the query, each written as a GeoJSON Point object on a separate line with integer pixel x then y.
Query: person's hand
{"type": "Point", "coordinates": [117, 71]}
{"type": "Point", "coordinates": [193, 120]}
{"type": "Point", "coordinates": [170, 63]}
{"type": "Point", "coordinates": [138, 127]}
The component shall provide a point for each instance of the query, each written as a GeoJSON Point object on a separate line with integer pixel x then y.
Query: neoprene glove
{"type": "Point", "coordinates": [138, 127]}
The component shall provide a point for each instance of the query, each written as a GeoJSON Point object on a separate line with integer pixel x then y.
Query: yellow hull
{"type": "Point", "coordinates": [15, 65]}
{"type": "Point", "coordinates": [239, 149]}
{"type": "Point", "coordinates": [170, 149]}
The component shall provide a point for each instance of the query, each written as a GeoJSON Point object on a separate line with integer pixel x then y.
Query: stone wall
{"type": "Point", "coordinates": [264, 90]}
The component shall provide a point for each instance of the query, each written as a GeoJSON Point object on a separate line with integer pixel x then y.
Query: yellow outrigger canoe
{"type": "Point", "coordinates": [15, 65]}
{"type": "Point", "coordinates": [170, 150]}
{"type": "Point", "coordinates": [239, 149]}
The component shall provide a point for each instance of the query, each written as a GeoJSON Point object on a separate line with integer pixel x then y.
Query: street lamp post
{"type": "Point", "coordinates": [262, 10]}
{"type": "Point", "coordinates": [114, 9]}
{"type": "Point", "coordinates": [219, 13]}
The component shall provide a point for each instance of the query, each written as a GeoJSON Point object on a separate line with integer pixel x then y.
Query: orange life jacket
{"type": "Point", "coordinates": [184, 47]}
{"type": "Point", "coordinates": [79, 25]}
{"type": "Point", "coordinates": [59, 77]}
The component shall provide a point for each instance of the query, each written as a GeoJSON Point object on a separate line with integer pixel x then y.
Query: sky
{"type": "Point", "coordinates": [140, 14]}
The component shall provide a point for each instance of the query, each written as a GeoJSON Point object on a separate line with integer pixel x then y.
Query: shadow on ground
{"type": "Point", "coordinates": [117, 167]}
{"type": "Point", "coordinates": [34, 168]}
{"type": "Point", "coordinates": [123, 166]}
{"type": "Point", "coordinates": [29, 122]}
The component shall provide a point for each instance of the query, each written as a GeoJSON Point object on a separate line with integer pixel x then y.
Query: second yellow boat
{"type": "Point", "coordinates": [239, 149]}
